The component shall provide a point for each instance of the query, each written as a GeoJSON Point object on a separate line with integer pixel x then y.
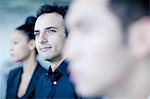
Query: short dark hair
{"type": "Point", "coordinates": [62, 10]}
{"type": "Point", "coordinates": [52, 8]}
{"type": "Point", "coordinates": [129, 11]}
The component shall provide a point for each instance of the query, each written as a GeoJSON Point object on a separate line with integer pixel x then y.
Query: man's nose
{"type": "Point", "coordinates": [11, 48]}
{"type": "Point", "coordinates": [43, 38]}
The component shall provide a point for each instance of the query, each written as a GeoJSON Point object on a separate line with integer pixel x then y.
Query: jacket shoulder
{"type": "Point", "coordinates": [15, 71]}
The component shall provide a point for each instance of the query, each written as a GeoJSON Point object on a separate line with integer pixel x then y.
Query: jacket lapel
{"type": "Point", "coordinates": [31, 88]}
{"type": "Point", "coordinates": [17, 82]}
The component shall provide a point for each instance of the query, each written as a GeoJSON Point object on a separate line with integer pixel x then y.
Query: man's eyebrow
{"type": "Point", "coordinates": [36, 31]}
{"type": "Point", "coordinates": [51, 28]}
{"type": "Point", "coordinates": [47, 29]}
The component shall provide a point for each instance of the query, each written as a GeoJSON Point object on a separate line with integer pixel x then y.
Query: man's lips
{"type": "Point", "coordinates": [73, 76]}
{"type": "Point", "coordinates": [11, 54]}
{"type": "Point", "coordinates": [45, 48]}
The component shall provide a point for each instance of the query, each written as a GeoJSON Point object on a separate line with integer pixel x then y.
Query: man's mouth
{"type": "Point", "coordinates": [45, 48]}
{"type": "Point", "coordinates": [73, 76]}
{"type": "Point", "coordinates": [11, 54]}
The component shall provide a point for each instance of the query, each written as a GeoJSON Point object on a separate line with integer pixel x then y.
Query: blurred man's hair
{"type": "Point", "coordinates": [130, 11]}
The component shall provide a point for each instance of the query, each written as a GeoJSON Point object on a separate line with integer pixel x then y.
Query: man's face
{"type": "Point", "coordinates": [49, 35]}
{"type": "Point", "coordinates": [98, 59]}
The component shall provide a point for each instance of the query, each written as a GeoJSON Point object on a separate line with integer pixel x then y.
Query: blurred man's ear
{"type": "Point", "coordinates": [66, 35]}
{"type": "Point", "coordinates": [139, 34]}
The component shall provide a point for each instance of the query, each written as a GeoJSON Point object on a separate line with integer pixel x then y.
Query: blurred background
{"type": "Point", "coordinates": [12, 14]}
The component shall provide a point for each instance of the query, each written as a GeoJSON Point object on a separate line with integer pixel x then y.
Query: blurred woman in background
{"type": "Point", "coordinates": [21, 81]}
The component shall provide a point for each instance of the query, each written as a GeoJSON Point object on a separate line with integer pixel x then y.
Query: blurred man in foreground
{"type": "Point", "coordinates": [109, 48]}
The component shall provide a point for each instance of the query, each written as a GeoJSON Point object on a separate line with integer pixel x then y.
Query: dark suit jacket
{"type": "Point", "coordinates": [61, 89]}
{"type": "Point", "coordinates": [14, 82]}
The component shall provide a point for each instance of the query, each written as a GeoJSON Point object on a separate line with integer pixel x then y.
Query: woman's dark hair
{"type": "Point", "coordinates": [28, 28]}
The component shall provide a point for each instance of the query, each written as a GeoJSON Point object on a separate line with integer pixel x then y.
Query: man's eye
{"type": "Point", "coordinates": [15, 42]}
{"type": "Point", "coordinates": [51, 31]}
{"type": "Point", "coordinates": [85, 27]}
{"type": "Point", "coordinates": [36, 34]}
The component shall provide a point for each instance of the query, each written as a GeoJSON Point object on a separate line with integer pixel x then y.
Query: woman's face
{"type": "Point", "coordinates": [20, 49]}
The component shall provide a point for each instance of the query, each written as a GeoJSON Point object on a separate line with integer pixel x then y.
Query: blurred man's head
{"type": "Point", "coordinates": [98, 44]}
{"type": "Point", "coordinates": [50, 31]}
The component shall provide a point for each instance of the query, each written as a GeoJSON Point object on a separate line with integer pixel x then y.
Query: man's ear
{"type": "Point", "coordinates": [66, 35]}
{"type": "Point", "coordinates": [139, 34]}
{"type": "Point", "coordinates": [32, 44]}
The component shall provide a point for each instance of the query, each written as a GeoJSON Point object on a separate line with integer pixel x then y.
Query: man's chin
{"type": "Point", "coordinates": [50, 57]}
{"type": "Point", "coordinates": [45, 57]}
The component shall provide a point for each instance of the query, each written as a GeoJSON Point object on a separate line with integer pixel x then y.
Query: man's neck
{"type": "Point", "coordinates": [56, 62]}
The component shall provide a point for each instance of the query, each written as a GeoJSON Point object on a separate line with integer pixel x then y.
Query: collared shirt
{"type": "Point", "coordinates": [55, 84]}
